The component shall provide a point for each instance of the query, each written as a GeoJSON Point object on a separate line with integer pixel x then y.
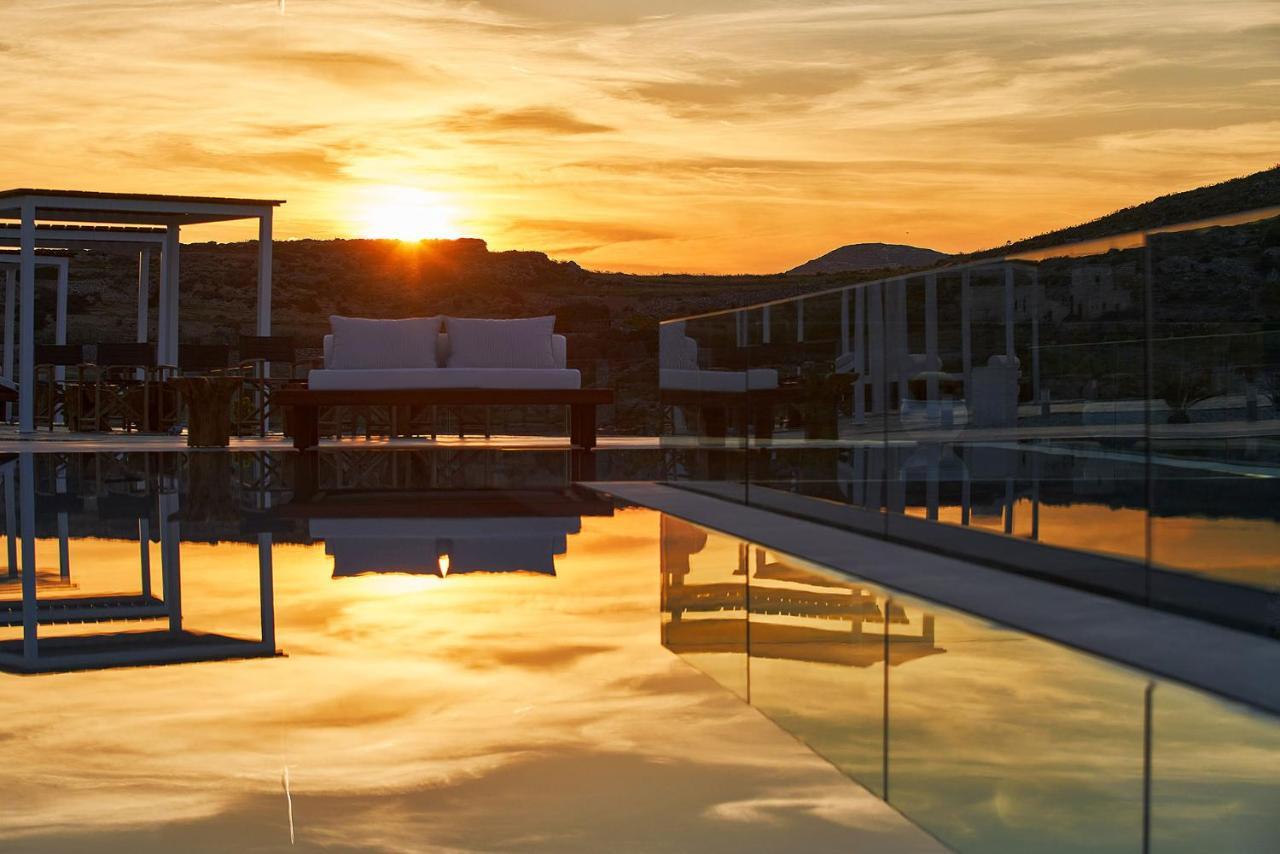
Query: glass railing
{"type": "Point", "coordinates": [989, 738]}
{"type": "Point", "coordinates": [1104, 413]}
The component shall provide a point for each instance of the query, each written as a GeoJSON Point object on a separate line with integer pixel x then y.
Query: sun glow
{"type": "Point", "coordinates": [403, 213]}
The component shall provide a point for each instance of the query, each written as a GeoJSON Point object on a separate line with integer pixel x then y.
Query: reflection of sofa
{"type": "Point", "coordinates": [993, 397]}
{"type": "Point", "coordinates": [678, 367]}
{"type": "Point", "coordinates": [417, 545]}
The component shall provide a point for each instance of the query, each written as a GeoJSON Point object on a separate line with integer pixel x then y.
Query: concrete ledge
{"type": "Point", "coordinates": [1232, 664]}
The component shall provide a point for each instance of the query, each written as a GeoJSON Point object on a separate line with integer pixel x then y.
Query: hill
{"type": "Point", "coordinates": [1248, 192]}
{"type": "Point", "coordinates": [869, 256]}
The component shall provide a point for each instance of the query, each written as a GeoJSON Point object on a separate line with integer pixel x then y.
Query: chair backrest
{"type": "Point", "coordinates": [130, 354]}
{"type": "Point", "coordinates": [269, 348]}
{"type": "Point", "coordinates": [59, 354]}
{"type": "Point", "coordinates": [203, 357]}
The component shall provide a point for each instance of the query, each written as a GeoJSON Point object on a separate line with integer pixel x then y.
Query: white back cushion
{"type": "Point", "coordinates": [521, 343]}
{"type": "Point", "coordinates": [360, 343]}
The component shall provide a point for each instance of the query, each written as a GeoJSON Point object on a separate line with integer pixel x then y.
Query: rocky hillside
{"type": "Point", "coordinates": [869, 256]}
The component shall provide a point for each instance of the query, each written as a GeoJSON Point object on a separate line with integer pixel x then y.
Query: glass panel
{"type": "Point", "coordinates": [1001, 742]}
{"type": "Point", "coordinates": [817, 645]}
{"type": "Point", "coordinates": [1216, 357]}
{"type": "Point", "coordinates": [704, 617]}
{"type": "Point", "coordinates": [703, 381]}
{"type": "Point", "coordinates": [1214, 766]}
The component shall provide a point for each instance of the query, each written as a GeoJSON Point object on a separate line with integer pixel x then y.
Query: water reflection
{"type": "Point", "coordinates": [489, 711]}
{"type": "Point", "coordinates": [1115, 398]}
{"type": "Point", "coordinates": [64, 628]}
{"type": "Point", "coordinates": [990, 739]}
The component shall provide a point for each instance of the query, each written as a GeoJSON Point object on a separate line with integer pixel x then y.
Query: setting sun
{"type": "Point", "coordinates": [402, 213]}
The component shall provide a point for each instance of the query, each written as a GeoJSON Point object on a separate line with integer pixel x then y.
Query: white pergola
{"type": "Point", "coordinates": [50, 217]}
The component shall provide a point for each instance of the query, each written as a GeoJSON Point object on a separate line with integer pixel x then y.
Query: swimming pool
{"type": "Point", "coordinates": [463, 650]}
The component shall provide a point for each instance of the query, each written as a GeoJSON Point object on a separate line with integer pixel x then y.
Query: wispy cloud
{"type": "Point", "coordinates": [757, 133]}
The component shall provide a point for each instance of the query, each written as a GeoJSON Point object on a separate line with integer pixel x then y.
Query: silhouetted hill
{"type": "Point", "coordinates": [1259, 190]}
{"type": "Point", "coordinates": [869, 256]}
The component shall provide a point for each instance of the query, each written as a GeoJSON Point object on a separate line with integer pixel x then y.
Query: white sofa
{"type": "Point", "coordinates": [384, 379]}
{"type": "Point", "coordinates": [678, 367]}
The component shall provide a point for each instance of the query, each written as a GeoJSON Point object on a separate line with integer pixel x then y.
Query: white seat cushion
{"type": "Point", "coordinates": [363, 343]}
{"type": "Point", "coordinates": [726, 381]}
{"type": "Point", "coordinates": [424, 378]}
{"type": "Point", "coordinates": [519, 343]}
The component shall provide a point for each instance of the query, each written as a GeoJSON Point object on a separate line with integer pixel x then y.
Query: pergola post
{"type": "Point", "coordinates": [931, 336]}
{"type": "Point", "coordinates": [264, 281]}
{"type": "Point", "coordinates": [27, 321]}
{"type": "Point", "coordinates": [859, 355]}
{"type": "Point", "coordinates": [266, 592]}
{"type": "Point", "coordinates": [169, 341]}
{"type": "Point", "coordinates": [144, 292]}
{"type": "Point", "coordinates": [27, 519]}
{"type": "Point", "coordinates": [966, 337]}
{"type": "Point", "coordinates": [10, 297]}
{"type": "Point", "coordinates": [264, 273]}
{"type": "Point", "coordinates": [60, 317]}
{"type": "Point", "coordinates": [1008, 309]}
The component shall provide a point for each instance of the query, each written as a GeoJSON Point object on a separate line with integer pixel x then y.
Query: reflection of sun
{"type": "Point", "coordinates": [402, 213]}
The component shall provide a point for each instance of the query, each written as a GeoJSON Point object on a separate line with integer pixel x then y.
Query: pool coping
{"type": "Point", "coordinates": [1231, 664]}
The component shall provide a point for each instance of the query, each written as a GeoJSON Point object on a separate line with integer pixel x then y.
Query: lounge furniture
{"type": "Point", "coordinates": [476, 363]}
{"type": "Point", "coordinates": [60, 376]}
{"type": "Point", "coordinates": [128, 389]}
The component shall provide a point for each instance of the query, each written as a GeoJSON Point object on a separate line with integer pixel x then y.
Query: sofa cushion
{"type": "Point", "coordinates": [519, 343]}
{"type": "Point", "coordinates": [414, 378]}
{"type": "Point", "coordinates": [364, 343]}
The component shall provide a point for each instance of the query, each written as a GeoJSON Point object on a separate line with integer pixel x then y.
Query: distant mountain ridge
{"type": "Point", "coordinates": [869, 256]}
{"type": "Point", "coordinates": [1248, 192]}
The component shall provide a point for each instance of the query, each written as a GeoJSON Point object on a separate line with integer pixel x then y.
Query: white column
{"type": "Point", "coordinates": [30, 615]}
{"type": "Point", "coordinates": [766, 320]}
{"type": "Point", "coordinates": [162, 305]}
{"type": "Point", "coordinates": [1035, 334]}
{"type": "Point", "coordinates": [876, 349]}
{"type": "Point", "coordinates": [966, 335]}
{"type": "Point", "coordinates": [11, 518]}
{"type": "Point", "coordinates": [170, 560]}
{"type": "Point", "coordinates": [266, 595]}
{"type": "Point", "coordinates": [172, 244]}
{"type": "Point", "coordinates": [860, 355]}
{"type": "Point", "coordinates": [60, 323]}
{"type": "Point", "coordinates": [264, 282]}
{"type": "Point", "coordinates": [144, 292]}
{"type": "Point", "coordinates": [10, 300]}
{"type": "Point", "coordinates": [844, 322]}
{"type": "Point", "coordinates": [1008, 309]}
{"type": "Point", "coordinates": [60, 316]}
{"type": "Point", "coordinates": [898, 335]}
{"type": "Point", "coordinates": [27, 323]}
{"type": "Point", "coordinates": [64, 528]}
{"type": "Point", "coordinates": [264, 274]}
{"type": "Point", "coordinates": [931, 332]}
{"type": "Point", "coordinates": [144, 554]}
{"type": "Point", "coordinates": [799, 320]}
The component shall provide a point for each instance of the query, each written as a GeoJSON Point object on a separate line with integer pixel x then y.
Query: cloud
{"type": "Point", "coordinates": [525, 120]}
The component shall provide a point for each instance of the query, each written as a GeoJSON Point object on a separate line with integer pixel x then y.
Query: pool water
{"type": "Point", "coordinates": [420, 651]}
{"type": "Point", "coordinates": [523, 709]}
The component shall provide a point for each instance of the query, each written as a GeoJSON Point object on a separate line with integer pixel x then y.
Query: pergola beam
{"type": "Point", "coordinates": [58, 208]}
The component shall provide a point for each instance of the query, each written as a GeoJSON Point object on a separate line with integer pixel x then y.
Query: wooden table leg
{"type": "Point", "coordinates": [582, 425]}
{"type": "Point", "coordinates": [306, 427]}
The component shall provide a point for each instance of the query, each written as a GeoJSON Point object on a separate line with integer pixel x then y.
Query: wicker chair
{"type": "Point", "coordinates": [62, 379]}
{"type": "Point", "coordinates": [268, 363]}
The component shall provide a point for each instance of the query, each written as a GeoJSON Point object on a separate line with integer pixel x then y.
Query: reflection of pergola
{"type": "Point", "coordinates": [42, 216]}
{"type": "Point", "coordinates": [168, 641]}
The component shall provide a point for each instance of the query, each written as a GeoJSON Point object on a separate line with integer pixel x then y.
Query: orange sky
{"type": "Point", "coordinates": [674, 135]}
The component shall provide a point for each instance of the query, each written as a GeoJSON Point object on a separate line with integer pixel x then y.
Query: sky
{"type": "Point", "coordinates": [665, 135]}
